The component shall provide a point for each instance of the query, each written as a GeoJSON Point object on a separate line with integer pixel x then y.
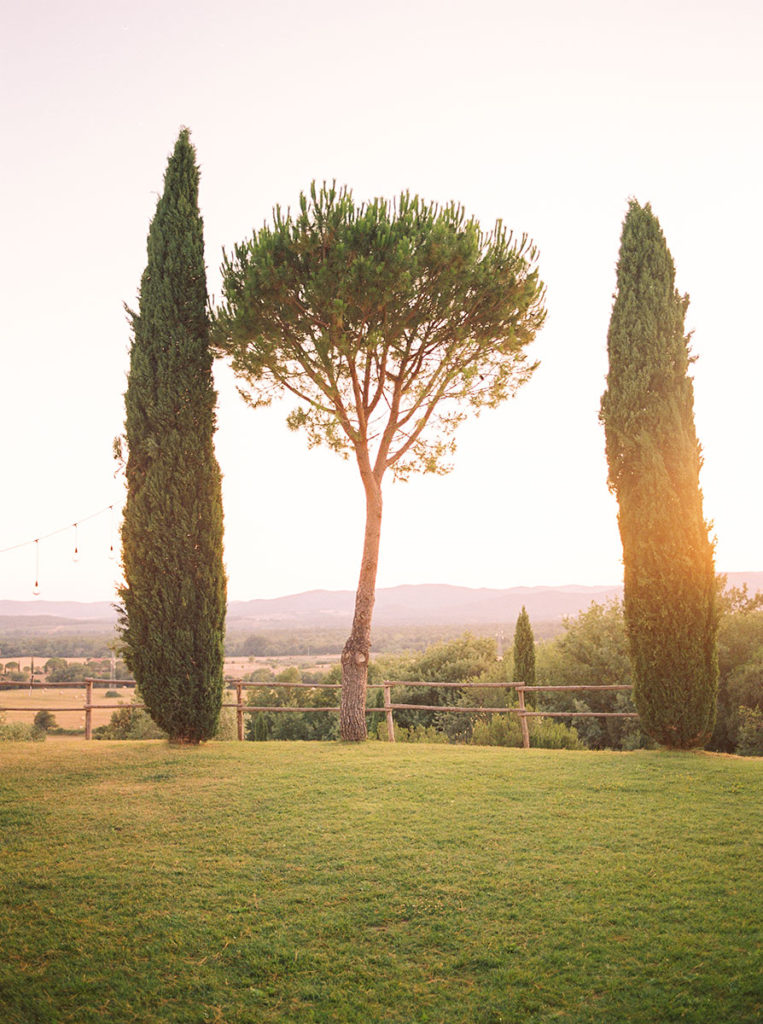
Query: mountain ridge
{"type": "Point", "coordinates": [407, 604]}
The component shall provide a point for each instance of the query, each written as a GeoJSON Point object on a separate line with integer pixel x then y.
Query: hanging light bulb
{"type": "Point", "coordinates": [36, 588]}
{"type": "Point", "coordinates": [75, 556]}
{"type": "Point", "coordinates": [112, 552]}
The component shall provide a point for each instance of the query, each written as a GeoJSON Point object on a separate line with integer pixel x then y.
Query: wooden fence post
{"type": "Point", "coordinates": [239, 713]}
{"type": "Point", "coordinates": [523, 717]}
{"type": "Point", "coordinates": [388, 712]}
{"type": "Point", "coordinates": [88, 710]}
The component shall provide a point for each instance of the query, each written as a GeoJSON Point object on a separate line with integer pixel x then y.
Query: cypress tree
{"type": "Point", "coordinates": [654, 462]}
{"type": "Point", "coordinates": [524, 652]}
{"type": "Point", "coordinates": [174, 597]}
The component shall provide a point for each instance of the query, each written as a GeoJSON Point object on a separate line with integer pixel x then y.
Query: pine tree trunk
{"type": "Point", "coordinates": [356, 653]}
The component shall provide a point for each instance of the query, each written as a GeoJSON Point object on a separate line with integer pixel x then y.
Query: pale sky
{"type": "Point", "coordinates": [549, 115]}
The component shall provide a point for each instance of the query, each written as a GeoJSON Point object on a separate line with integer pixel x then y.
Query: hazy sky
{"type": "Point", "coordinates": [549, 115]}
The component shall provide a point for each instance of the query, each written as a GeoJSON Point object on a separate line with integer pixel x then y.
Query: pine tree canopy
{"type": "Point", "coordinates": [388, 322]}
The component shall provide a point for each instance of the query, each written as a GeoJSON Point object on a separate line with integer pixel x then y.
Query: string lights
{"type": "Point", "coordinates": [76, 553]}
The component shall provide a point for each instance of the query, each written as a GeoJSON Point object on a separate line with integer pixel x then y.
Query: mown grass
{"type": "Point", "coordinates": [319, 882]}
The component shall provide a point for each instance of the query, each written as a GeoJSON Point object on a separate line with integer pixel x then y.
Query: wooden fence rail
{"type": "Point", "coordinates": [387, 708]}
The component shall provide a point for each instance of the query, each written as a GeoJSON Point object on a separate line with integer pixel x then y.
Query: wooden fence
{"type": "Point", "coordinates": [387, 708]}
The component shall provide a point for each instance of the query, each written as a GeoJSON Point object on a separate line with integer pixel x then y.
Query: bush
{"type": "Point", "coordinates": [750, 736]}
{"type": "Point", "coordinates": [18, 732]}
{"type": "Point", "coordinates": [416, 734]}
{"type": "Point", "coordinates": [112, 693]}
{"type": "Point", "coordinates": [741, 687]}
{"type": "Point", "coordinates": [45, 720]}
{"type": "Point", "coordinates": [65, 672]}
{"type": "Point", "coordinates": [227, 727]}
{"type": "Point", "coordinates": [130, 723]}
{"type": "Point", "coordinates": [257, 728]}
{"type": "Point", "coordinates": [506, 731]}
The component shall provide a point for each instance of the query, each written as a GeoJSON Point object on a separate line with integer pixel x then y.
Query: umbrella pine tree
{"type": "Point", "coordinates": [389, 322]}
{"type": "Point", "coordinates": [174, 597]}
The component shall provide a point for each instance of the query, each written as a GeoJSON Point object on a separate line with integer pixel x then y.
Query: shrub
{"type": "Point", "coordinates": [130, 723]}
{"type": "Point", "coordinates": [17, 732]}
{"type": "Point", "coordinates": [506, 731]}
{"type": "Point", "coordinates": [750, 741]}
{"type": "Point", "coordinates": [45, 720]}
{"type": "Point", "coordinates": [227, 726]}
{"type": "Point", "coordinates": [416, 734]}
{"type": "Point", "coordinates": [257, 728]}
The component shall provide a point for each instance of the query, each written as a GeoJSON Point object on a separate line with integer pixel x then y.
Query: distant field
{"type": "Point", "coordinates": [74, 698]}
{"type": "Point", "coordinates": [235, 667]}
{"type": "Point", "coordinates": [304, 883]}
{"type": "Point", "coordinates": [50, 697]}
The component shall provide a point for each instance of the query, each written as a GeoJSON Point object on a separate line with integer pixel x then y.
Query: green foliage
{"type": "Point", "coordinates": [467, 659]}
{"type": "Point", "coordinates": [740, 699]}
{"type": "Point", "coordinates": [62, 671]}
{"type": "Point", "coordinates": [750, 743]}
{"type": "Point", "coordinates": [227, 724]}
{"type": "Point", "coordinates": [391, 320]}
{"type": "Point", "coordinates": [459, 660]}
{"type": "Point", "coordinates": [593, 651]}
{"type": "Point", "coordinates": [524, 650]}
{"type": "Point", "coordinates": [130, 723]}
{"type": "Point", "coordinates": [174, 600]}
{"type": "Point", "coordinates": [506, 731]}
{"type": "Point", "coordinates": [654, 462]}
{"type": "Point", "coordinates": [740, 658]}
{"type": "Point", "coordinates": [59, 670]}
{"type": "Point", "coordinates": [41, 642]}
{"type": "Point", "coordinates": [292, 725]}
{"type": "Point", "coordinates": [20, 732]}
{"type": "Point", "coordinates": [416, 734]}
{"type": "Point", "coordinates": [258, 728]}
{"type": "Point", "coordinates": [389, 323]}
{"type": "Point", "coordinates": [259, 675]}
{"type": "Point", "coordinates": [45, 720]}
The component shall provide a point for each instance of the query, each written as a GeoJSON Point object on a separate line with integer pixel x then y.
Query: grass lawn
{"type": "Point", "coordinates": [259, 882]}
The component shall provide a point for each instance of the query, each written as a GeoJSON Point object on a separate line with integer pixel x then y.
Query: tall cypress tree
{"type": "Point", "coordinates": [524, 650]}
{"type": "Point", "coordinates": [654, 462]}
{"type": "Point", "coordinates": [173, 616]}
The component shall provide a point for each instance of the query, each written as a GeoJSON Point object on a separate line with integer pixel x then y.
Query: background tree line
{"type": "Point", "coordinates": [591, 650]}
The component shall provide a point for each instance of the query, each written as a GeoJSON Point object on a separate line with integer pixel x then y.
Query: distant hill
{"type": "Point", "coordinates": [422, 604]}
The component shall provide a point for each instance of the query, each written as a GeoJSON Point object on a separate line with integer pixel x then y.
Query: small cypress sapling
{"type": "Point", "coordinates": [524, 650]}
